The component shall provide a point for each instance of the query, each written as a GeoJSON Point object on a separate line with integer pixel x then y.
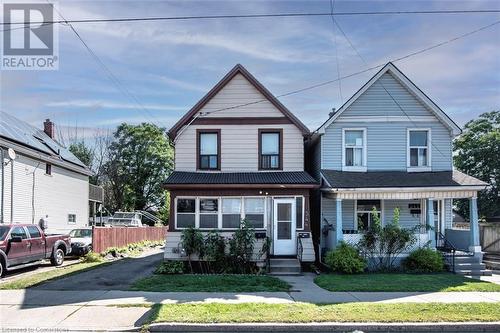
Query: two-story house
{"type": "Point", "coordinates": [239, 154]}
{"type": "Point", "coordinates": [390, 146]}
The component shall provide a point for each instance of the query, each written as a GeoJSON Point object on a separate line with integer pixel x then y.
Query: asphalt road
{"type": "Point", "coordinates": [117, 276]}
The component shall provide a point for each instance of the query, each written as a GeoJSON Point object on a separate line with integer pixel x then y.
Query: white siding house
{"type": "Point", "coordinates": [43, 179]}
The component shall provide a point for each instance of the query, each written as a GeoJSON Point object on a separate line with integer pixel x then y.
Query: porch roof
{"type": "Point", "coordinates": [282, 179]}
{"type": "Point", "coordinates": [391, 179]}
{"type": "Point", "coordinates": [400, 184]}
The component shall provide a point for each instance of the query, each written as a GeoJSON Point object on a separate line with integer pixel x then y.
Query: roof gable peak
{"type": "Point", "coordinates": [406, 83]}
{"type": "Point", "coordinates": [237, 69]}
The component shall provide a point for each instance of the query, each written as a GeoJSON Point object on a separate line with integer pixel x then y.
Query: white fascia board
{"type": "Point", "coordinates": [406, 189]}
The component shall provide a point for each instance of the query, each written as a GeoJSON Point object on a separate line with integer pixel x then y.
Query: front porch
{"type": "Point", "coordinates": [424, 200]}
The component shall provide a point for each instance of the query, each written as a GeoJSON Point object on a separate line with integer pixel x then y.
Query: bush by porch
{"type": "Point", "coordinates": [402, 282]}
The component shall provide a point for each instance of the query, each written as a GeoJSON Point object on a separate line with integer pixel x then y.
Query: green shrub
{"type": "Point", "coordinates": [92, 257]}
{"type": "Point", "coordinates": [424, 260]}
{"type": "Point", "coordinates": [345, 259]}
{"type": "Point", "coordinates": [170, 267]}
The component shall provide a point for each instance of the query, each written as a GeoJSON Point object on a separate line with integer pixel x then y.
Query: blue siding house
{"type": "Point", "coordinates": [389, 146]}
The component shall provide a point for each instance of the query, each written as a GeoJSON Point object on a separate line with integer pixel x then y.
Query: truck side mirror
{"type": "Point", "coordinates": [16, 239]}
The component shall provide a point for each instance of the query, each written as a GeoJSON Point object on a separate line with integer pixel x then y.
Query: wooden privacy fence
{"type": "Point", "coordinates": [490, 237]}
{"type": "Point", "coordinates": [103, 238]}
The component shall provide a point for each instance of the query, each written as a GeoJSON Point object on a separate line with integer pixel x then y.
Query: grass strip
{"type": "Point", "coordinates": [210, 283]}
{"type": "Point", "coordinates": [403, 282]}
{"type": "Point", "coordinates": [42, 277]}
{"type": "Point", "coordinates": [307, 313]}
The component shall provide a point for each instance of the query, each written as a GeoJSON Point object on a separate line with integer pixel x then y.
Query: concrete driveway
{"type": "Point", "coordinates": [117, 276]}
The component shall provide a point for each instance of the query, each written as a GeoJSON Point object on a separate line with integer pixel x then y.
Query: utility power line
{"type": "Point", "coordinates": [112, 77]}
{"type": "Point", "coordinates": [325, 83]}
{"type": "Point", "coordinates": [332, 6]}
{"type": "Point", "coordinates": [209, 17]}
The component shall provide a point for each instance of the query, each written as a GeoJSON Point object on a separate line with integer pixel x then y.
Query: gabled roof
{"type": "Point", "coordinates": [238, 69]}
{"type": "Point", "coordinates": [25, 135]}
{"type": "Point", "coordinates": [408, 84]}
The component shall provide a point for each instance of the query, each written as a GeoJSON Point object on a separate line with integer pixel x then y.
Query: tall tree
{"type": "Point", "coordinates": [140, 159]}
{"type": "Point", "coordinates": [477, 153]}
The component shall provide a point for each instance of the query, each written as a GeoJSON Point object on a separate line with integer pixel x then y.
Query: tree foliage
{"type": "Point", "coordinates": [140, 159]}
{"type": "Point", "coordinates": [477, 153]}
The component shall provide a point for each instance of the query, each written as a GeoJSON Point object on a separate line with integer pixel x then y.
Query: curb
{"type": "Point", "coordinates": [329, 327]}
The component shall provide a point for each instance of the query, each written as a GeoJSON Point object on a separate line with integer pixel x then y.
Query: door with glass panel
{"type": "Point", "coordinates": [284, 227]}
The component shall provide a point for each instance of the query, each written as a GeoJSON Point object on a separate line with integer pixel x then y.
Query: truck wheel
{"type": "Point", "coordinates": [2, 268]}
{"type": "Point", "coordinates": [57, 258]}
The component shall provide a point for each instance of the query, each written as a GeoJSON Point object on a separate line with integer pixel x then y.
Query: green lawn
{"type": "Point", "coordinates": [39, 278]}
{"type": "Point", "coordinates": [306, 312]}
{"type": "Point", "coordinates": [210, 283]}
{"type": "Point", "coordinates": [402, 282]}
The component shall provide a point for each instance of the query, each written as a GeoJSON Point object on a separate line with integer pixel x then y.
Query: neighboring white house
{"type": "Point", "coordinates": [43, 178]}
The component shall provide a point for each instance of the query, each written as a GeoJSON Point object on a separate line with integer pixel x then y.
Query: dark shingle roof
{"type": "Point", "coordinates": [190, 178]}
{"type": "Point", "coordinates": [374, 179]}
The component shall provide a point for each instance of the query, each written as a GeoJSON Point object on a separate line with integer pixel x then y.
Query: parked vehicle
{"type": "Point", "coordinates": [81, 241]}
{"type": "Point", "coordinates": [23, 245]}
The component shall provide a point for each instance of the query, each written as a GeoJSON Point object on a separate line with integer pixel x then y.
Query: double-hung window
{"type": "Point", "coordinates": [364, 213]}
{"type": "Point", "coordinates": [354, 149]}
{"type": "Point", "coordinates": [254, 212]}
{"type": "Point", "coordinates": [186, 212]}
{"type": "Point", "coordinates": [231, 213]}
{"type": "Point", "coordinates": [208, 149]}
{"type": "Point", "coordinates": [209, 213]}
{"type": "Point", "coordinates": [418, 148]}
{"type": "Point", "coordinates": [270, 149]}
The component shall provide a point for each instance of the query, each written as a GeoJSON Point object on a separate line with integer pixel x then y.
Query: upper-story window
{"type": "Point", "coordinates": [419, 148]}
{"type": "Point", "coordinates": [270, 149]}
{"type": "Point", "coordinates": [208, 149]}
{"type": "Point", "coordinates": [354, 149]}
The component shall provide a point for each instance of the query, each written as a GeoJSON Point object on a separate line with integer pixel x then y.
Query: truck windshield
{"type": "Point", "coordinates": [80, 233]}
{"type": "Point", "coordinates": [3, 232]}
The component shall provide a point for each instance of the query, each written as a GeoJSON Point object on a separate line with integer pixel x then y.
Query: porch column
{"type": "Point", "coordinates": [430, 222]}
{"type": "Point", "coordinates": [339, 236]}
{"type": "Point", "coordinates": [474, 244]}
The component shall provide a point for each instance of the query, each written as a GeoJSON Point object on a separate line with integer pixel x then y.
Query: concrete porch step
{"type": "Point", "coordinates": [285, 266]}
{"type": "Point", "coordinates": [285, 269]}
{"type": "Point", "coordinates": [492, 264]}
{"type": "Point", "coordinates": [470, 266]}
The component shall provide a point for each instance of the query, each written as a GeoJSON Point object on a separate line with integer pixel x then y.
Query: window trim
{"type": "Point", "coordinates": [382, 215]}
{"type": "Point", "coordinates": [199, 132]}
{"type": "Point", "coordinates": [428, 167]}
{"type": "Point", "coordinates": [364, 167]}
{"type": "Point", "coordinates": [261, 131]}
{"type": "Point", "coordinates": [69, 214]}
{"type": "Point", "coordinates": [219, 215]}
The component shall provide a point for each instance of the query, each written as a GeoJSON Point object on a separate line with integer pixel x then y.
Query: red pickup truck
{"type": "Point", "coordinates": [23, 245]}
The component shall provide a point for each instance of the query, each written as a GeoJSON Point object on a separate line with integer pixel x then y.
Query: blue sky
{"type": "Point", "coordinates": [170, 65]}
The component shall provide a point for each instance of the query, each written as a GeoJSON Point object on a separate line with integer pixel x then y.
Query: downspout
{"type": "Point", "coordinates": [33, 195]}
{"type": "Point", "coordinates": [11, 191]}
{"type": "Point", "coordinates": [2, 155]}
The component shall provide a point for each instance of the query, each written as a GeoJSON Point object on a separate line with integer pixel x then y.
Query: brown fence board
{"type": "Point", "coordinates": [103, 238]}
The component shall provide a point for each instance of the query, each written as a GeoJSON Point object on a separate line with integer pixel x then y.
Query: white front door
{"type": "Point", "coordinates": [284, 225]}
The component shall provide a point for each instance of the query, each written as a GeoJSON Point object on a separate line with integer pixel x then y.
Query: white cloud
{"type": "Point", "coordinates": [97, 104]}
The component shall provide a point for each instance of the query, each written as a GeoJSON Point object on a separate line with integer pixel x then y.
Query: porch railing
{"type": "Point", "coordinates": [447, 249]}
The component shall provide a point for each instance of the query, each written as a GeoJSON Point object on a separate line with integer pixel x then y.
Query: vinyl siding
{"type": "Point", "coordinates": [240, 91]}
{"type": "Point", "coordinates": [239, 148]}
{"type": "Point", "coordinates": [387, 141]}
{"type": "Point", "coordinates": [62, 193]}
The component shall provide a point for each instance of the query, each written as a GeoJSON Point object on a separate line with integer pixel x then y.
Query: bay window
{"type": "Point", "coordinates": [354, 149]}
{"type": "Point", "coordinates": [418, 148]}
